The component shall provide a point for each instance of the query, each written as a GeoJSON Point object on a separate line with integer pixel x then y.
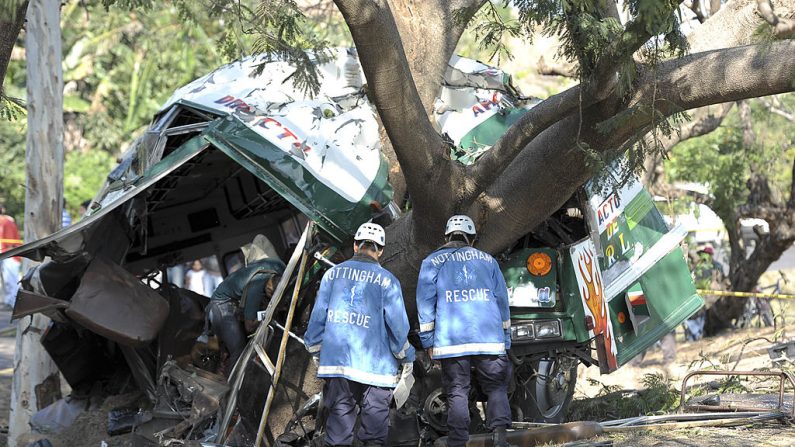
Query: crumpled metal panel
{"type": "Point", "coordinates": [67, 242]}
{"type": "Point", "coordinates": [115, 304]}
{"type": "Point", "coordinates": [332, 135]}
{"type": "Point", "coordinates": [280, 171]}
{"type": "Point", "coordinates": [476, 105]}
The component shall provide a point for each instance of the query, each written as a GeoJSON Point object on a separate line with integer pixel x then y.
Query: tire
{"type": "Point", "coordinates": [546, 396]}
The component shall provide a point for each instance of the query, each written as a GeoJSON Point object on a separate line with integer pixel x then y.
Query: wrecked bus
{"type": "Point", "coordinates": [233, 155]}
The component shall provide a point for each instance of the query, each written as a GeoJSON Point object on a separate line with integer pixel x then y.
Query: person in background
{"type": "Point", "coordinates": [9, 267]}
{"type": "Point", "coordinates": [66, 218]}
{"type": "Point", "coordinates": [84, 208]}
{"type": "Point", "coordinates": [212, 275]}
{"type": "Point", "coordinates": [359, 330]}
{"type": "Point", "coordinates": [194, 278]}
{"type": "Point", "coordinates": [176, 274]}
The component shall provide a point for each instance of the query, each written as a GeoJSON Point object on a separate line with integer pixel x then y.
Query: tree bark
{"type": "Point", "coordinates": [423, 155]}
{"type": "Point", "coordinates": [44, 197]}
{"type": "Point", "coordinates": [523, 195]}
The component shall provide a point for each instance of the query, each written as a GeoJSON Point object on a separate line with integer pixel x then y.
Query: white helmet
{"type": "Point", "coordinates": [460, 223]}
{"type": "Point", "coordinates": [371, 232]}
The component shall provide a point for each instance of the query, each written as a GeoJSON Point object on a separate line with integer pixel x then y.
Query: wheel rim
{"type": "Point", "coordinates": [436, 410]}
{"type": "Point", "coordinates": [554, 384]}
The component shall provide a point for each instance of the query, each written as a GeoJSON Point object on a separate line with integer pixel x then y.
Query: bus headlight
{"type": "Point", "coordinates": [547, 329]}
{"type": "Point", "coordinates": [522, 331]}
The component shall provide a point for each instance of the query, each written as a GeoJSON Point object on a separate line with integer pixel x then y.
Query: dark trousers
{"type": "Point", "coordinates": [227, 327]}
{"type": "Point", "coordinates": [340, 397]}
{"type": "Point", "coordinates": [493, 373]}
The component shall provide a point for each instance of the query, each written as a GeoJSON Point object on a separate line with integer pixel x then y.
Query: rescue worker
{"type": "Point", "coordinates": [465, 322]}
{"type": "Point", "coordinates": [359, 328]}
{"type": "Point", "coordinates": [239, 297]}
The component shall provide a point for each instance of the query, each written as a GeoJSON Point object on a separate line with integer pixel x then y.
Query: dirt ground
{"type": "Point", "coordinates": [739, 350]}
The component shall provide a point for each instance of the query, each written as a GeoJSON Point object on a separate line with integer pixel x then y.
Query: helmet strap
{"type": "Point", "coordinates": [369, 248]}
{"type": "Point", "coordinates": [461, 236]}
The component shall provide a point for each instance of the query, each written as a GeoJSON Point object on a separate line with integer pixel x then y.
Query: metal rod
{"type": "Point", "coordinates": [323, 259]}
{"type": "Point", "coordinates": [725, 422]}
{"type": "Point", "coordinates": [291, 333]}
{"type": "Point", "coordinates": [778, 296]}
{"type": "Point", "coordinates": [283, 346]}
{"type": "Point", "coordinates": [263, 356]}
{"type": "Point", "coordinates": [782, 376]}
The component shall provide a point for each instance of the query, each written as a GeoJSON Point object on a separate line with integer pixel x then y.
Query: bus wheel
{"type": "Point", "coordinates": [550, 391]}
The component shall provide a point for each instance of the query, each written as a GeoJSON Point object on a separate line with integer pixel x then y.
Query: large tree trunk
{"type": "Point", "coordinates": [744, 272]}
{"type": "Point", "coordinates": [539, 164]}
{"type": "Point", "coordinates": [36, 383]}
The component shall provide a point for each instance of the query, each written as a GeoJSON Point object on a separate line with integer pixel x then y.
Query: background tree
{"type": "Point", "coordinates": [113, 63]}
{"type": "Point", "coordinates": [747, 164]}
{"type": "Point", "coordinates": [36, 383]}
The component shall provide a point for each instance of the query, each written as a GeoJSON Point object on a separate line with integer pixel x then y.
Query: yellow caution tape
{"type": "Point", "coordinates": [744, 294]}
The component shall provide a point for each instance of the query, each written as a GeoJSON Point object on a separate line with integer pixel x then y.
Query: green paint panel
{"type": "Point", "coordinates": [640, 222]}
{"type": "Point", "coordinates": [571, 298]}
{"type": "Point", "coordinates": [480, 139]}
{"type": "Point", "coordinates": [334, 214]}
{"type": "Point", "coordinates": [618, 306]}
{"type": "Point", "coordinates": [639, 208]}
{"type": "Point", "coordinates": [521, 283]}
{"type": "Point", "coordinates": [671, 298]}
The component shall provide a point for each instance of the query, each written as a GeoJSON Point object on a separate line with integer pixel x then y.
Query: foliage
{"type": "Point", "coordinates": [613, 403]}
{"type": "Point", "coordinates": [12, 167]}
{"type": "Point", "coordinates": [84, 174]}
{"type": "Point", "coordinates": [490, 26]}
{"type": "Point", "coordinates": [597, 41]}
{"type": "Point", "coordinates": [119, 67]}
{"type": "Point", "coordinates": [722, 162]}
{"type": "Point", "coordinates": [587, 31]}
{"type": "Point", "coordinates": [282, 33]}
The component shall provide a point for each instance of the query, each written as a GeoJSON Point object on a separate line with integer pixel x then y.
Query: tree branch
{"type": "Point", "coordinates": [554, 157]}
{"type": "Point", "coordinates": [10, 26]}
{"type": "Point", "coordinates": [731, 25]}
{"type": "Point", "coordinates": [609, 8]}
{"type": "Point", "coordinates": [702, 79]}
{"type": "Point", "coordinates": [697, 9]}
{"type": "Point", "coordinates": [566, 70]}
{"type": "Point", "coordinates": [702, 122]}
{"type": "Point", "coordinates": [781, 27]}
{"type": "Point", "coordinates": [789, 116]}
{"type": "Point", "coordinates": [553, 109]}
{"type": "Point", "coordinates": [791, 200]}
{"type": "Point", "coordinates": [749, 138]}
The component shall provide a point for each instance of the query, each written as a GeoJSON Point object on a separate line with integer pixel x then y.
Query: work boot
{"type": "Point", "coordinates": [500, 437]}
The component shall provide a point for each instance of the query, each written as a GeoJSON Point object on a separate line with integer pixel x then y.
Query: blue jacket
{"type": "Point", "coordinates": [462, 303]}
{"type": "Point", "coordinates": [359, 324]}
